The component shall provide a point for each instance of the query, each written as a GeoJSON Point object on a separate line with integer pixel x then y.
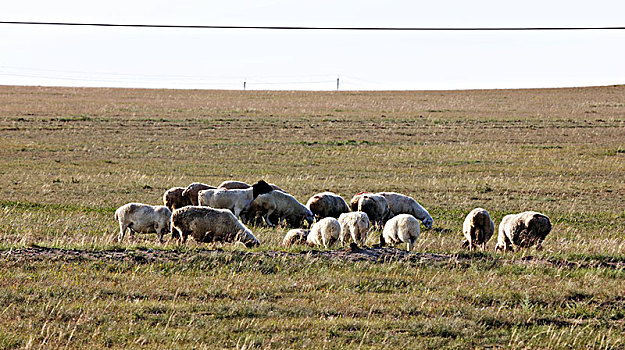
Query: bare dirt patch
{"type": "Point", "coordinates": [373, 254]}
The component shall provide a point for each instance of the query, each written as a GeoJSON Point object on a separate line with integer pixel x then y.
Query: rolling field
{"type": "Point", "coordinates": [70, 156]}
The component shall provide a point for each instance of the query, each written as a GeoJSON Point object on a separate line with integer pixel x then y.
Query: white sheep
{"type": "Point", "coordinates": [143, 218]}
{"type": "Point", "coordinates": [295, 236]}
{"type": "Point", "coordinates": [324, 232]}
{"type": "Point", "coordinates": [477, 228]}
{"type": "Point", "coordinates": [401, 204]}
{"type": "Point", "coordinates": [209, 225]}
{"type": "Point", "coordinates": [237, 200]}
{"type": "Point", "coordinates": [354, 225]}
{"type": "Point", "coordinates": [276, 206]}
{"type": "Point", "coordinates": [523, 230]}
{"type": "Point", "coordinates": [403, 228]}
{"type": "Point", "coordinates": [326, 204]}
{"type": "Point", "coordinates": [192, 190]}
{"type": "Point", "coordinates": [375, 206]}
{"type": "Point", "coordinates": [174, 198]}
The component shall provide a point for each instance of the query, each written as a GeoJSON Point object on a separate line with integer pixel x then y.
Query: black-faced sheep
{"type": "Point", "coordinates": [209, 225]}
{"type": "Point", "coordinates": [174, 198]}
{"type": "Point", "coordinates": [477, 228]}
{"type": "Point", "coordinates": [327, 204]}
{"type": "Point", "coordinates": [143, 218]}
{"type": "Point", "coordinates": [355, 225]}
{"type": "Point", "coordinates": [376, 207]}
{"type": "Point", "coordinates": [295, 236]}
{"type": "Point", "coordinates": [523, 230]}
{"type": "Point", "coordinates": [192, 190]}
{"type": "Point", "coordinates": [276, 206]}
{"type": "Point", "coordinates": [324, 232]}
{"type": "Point", "coordinates": [401, 204]}
{"type": "Point", "coordinates": [237, 200]}
{"type": "Point", "coordinates": [403, 228]}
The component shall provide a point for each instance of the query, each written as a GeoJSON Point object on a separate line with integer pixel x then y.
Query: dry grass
{"type": "Point", "coordinates": [71, 156]}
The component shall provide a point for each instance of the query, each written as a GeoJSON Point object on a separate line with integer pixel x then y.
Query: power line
{"type": "Point", "coordinates": [311, 28]}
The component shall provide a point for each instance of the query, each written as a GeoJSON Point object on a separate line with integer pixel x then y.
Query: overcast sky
{"type": "Point", "coordinates": [313, 60]}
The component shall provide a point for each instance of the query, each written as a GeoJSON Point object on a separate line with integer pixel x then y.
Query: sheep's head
{"type": "Point", "coordinates": [247, 237]}
{"type": "Point", "coordinates": [309, 217]}
{"type": "Point", "coordinates": [261, 187]}
{"type": "Point", "coordinates": [427, 222]}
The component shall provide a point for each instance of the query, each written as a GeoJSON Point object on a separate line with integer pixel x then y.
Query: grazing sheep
{"type": "Point", "coordinates": [376, 207]}
{"type": "Point", "coordinates": [276, 206]}
{"type": "Point", "coordinates": [192, 190]}
{"type": "Point", "coordinates": [143, 218]}
{"type": "Point", "coordinates": [209, 225]}
{"type": "Point", "coordinates": [237, 200]}
{"type": "Point", "coordinates": [403, 228]}
{"type": "Point", "coordinates": [295, 236]}
{"type": "Point", "coordinates": [354, 225]}
{"type": "Point", "coordinates": [174, 198]}
{"type": "Point", "coordinates": [523, 230]}
{"type": "Point", "coordinates": [401, 204]}
{"type": "Point", "coordinates": [326, 204]}
{"type": "Point", "coordinates": [478, 228]}
{"type": "Point", "coordinates": [324, 232]}
{"type": "Point", "coordinates": [238, 185]}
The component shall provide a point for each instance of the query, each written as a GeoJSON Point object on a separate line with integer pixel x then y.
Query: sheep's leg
{"type": "Point", "coordinates": [160, 236]}
{"type": "Point", "coordinates": [237, 211]}
{"type": "Point", "coordinates": [539, 245]}
{"type": "Point", "coordinates": [266, 218]}
{"type": "Point", "coordinates": [122, 231]}
{"type": "Point", "coordinates": [410, 245]}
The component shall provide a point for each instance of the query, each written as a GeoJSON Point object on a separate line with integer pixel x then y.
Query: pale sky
{"type": "Point", "coordinates": [313, 60]}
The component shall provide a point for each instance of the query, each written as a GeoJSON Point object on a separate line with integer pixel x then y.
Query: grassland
{"type": "Point", "coordinates": [70, 156]}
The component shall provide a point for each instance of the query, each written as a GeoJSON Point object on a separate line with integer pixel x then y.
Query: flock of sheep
{"type": "Point", "coordinates": [219, 214]}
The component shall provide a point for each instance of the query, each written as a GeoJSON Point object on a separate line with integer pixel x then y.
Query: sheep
{"type": "Point", "coordinates": [326, 204]}
{"type": "Point", "coordinates": [523, 230]}
{"type": "Point", "coordinates": [375, 206]}
{"type": "Point", "coordinates": [354, 225]}
{"type": "Point", "coordinates": [237, 200]}
{"type": "Point", "coordinates": [324, 232]}
{"type": "Point", "coordinates": [401, 204]}
{"type": "Point", "coordinates": [192, 190]}
{"type": "Point", "coordinates": [239, 185]}
{"type": "Point", "coordinates": [208, 225]}
{"type": "Point", "coordinates": [295, 236]}
{"type": "Point", "coordinates": [174, 198]}
{"type": "Point", "coordinates": [234, 185]}
{"type": "Point", "coordinates": [143, 218]}
{"type": "Point", "coordinates": [403, 228]}
{"type": "Point", "coordinates": [477, 228]}
{"type": "Point", "coordinates": [275, 206]}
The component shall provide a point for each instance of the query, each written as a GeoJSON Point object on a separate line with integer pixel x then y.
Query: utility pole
{"type": "Point", "coordinates": [337, 83]}
{"type": "Point", "coordinates": [244, 83]}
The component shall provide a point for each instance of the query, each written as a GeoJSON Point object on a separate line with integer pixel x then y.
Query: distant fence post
{"type": "Point", "coordinates": [337, 84]}
{"type": "Point", "coordinates": [244, 83]}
